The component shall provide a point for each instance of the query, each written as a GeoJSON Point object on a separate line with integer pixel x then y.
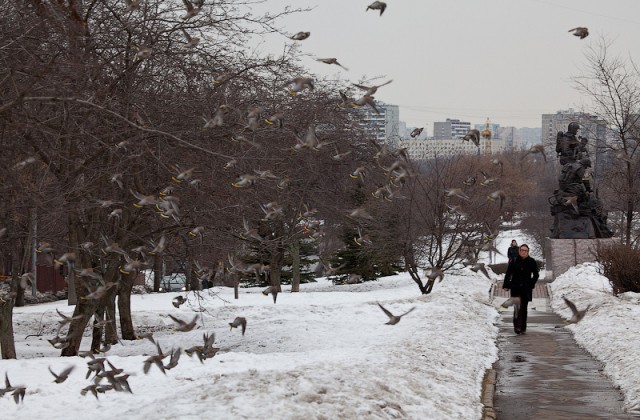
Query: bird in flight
{"type": "Point", "coordinates": [393, 319]}
{"type": "Point", "coordinates": [580, 32]}
{"type": "Point", "coordinates": [377, 5]}
{"type": "Point", "coordinates": [576, 314]}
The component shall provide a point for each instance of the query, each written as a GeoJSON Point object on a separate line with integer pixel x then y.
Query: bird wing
{"type": "Point", "coordinates": [571, 305]}
{"type": "Point", "coordinates": [408, 311]}
{"type": "Point", "coordinates": [389, 314]}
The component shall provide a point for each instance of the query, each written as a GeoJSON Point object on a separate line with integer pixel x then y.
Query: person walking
{"type": "Point", "coordinates": [512, 252]}
{"type": "Point", "coordinates": [521, 277]}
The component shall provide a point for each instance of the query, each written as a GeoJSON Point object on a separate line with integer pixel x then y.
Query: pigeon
{"type": "Point", "coordinates": [300, 36]}
{"type": "Point", "coordinates": [456, 192]}
{"type": "Point", "coordinates": [474, 136]}
{"type": "Point", "coordinates": [371, 90]}
{"type": "Point", "coordinates": [177, 301]}
{"type": "Point", "coordinates": [416, 132]}
{"type": "Point", "coordinates": [62, 376]}
{"type": "Point", "coordinates": [577, 315]}
{"type": "Point", "coordinates": [498, 196]}
{"type": "Point", "coordinates": [511, 302]}
{"type": "Point", "coordinates": [393, 319]}
{"type": "Point", "coordinates": [536, 148]}
{"type": "Point", "coordinates": [580, 32]}
{"type": "Point", "coordinates": [175, 356]}
{"type": "Point", "coordinates": [331, 61]}
{"type": "Point", "coordinates": [184, 326]}
{"type": "Point", "coordinates": [273, 290]}
{"type": "Point", "coordinates": [434, 273]}
{"type": "Point", "coordinates": [239, 321]}
{"type": "Point", "coordinates": [377, 5]}
{"type": "Point", "coordinates": [480, 267]}
{"type": "Point", "coordinates": [191, 9]}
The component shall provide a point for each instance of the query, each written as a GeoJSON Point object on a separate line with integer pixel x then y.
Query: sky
{"type": "Point", "coordinates": [510, 61]}
{"type": "Point", "coordinates": [324, 352]}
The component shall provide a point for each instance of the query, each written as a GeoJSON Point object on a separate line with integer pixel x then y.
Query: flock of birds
{"type": "Point", "coordinates": [106, 377]}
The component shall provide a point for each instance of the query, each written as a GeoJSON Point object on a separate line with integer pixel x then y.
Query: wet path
{"type": "Point", "coordinates": [546, 375]}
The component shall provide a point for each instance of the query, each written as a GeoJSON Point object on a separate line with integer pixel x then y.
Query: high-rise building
{"type": "Point", "coordinates": [450, 129]}
{"type": "Point", "coordinates": [594, 129]}
{"type": "Point", "coordinates": [385, 125]}
{"type": "Point", "coordinates": [420, 149]}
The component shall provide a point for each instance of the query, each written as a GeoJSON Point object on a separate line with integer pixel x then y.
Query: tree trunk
{"type": "Point", "coordinates": [7, 343]}
{"type": "Point", "coordinates": [295, 266]}
{"type": "Point", "coordinates": [157, 272]}
{"type": "Point", "coordinates": [275, 267]}
{"type": "Point", "coordinates": [124, 306]}
{"type": "Point", "coordinates": [96, 333]}
{"type": "Point", "coordinates": [85, 308]}
{"type": "Point", "coordinates": [111, 331]}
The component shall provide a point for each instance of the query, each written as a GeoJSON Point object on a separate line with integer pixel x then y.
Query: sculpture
{"type": "Point", "coordinates": [577, 210]}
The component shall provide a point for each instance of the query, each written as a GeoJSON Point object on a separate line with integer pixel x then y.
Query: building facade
{"type": "Point", "coordinates": [419, 149]}
{"type": "Point", "coordinates": [450, 129]}
{"type": "Point", "coordinates": [385, 126]}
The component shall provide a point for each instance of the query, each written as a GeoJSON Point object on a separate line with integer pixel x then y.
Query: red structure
{"type": "Point", "coordinates": [50, 279]}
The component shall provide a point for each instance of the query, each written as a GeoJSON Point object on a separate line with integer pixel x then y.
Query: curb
{"type": "Point", "coordinates": [488, 391]}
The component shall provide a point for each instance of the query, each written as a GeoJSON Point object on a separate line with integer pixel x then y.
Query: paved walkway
{"type": "Point", "coordinates": [545, 374]}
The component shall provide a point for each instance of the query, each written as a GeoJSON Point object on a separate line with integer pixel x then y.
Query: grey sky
{"type": "Point", "coordinates": [509, 60]}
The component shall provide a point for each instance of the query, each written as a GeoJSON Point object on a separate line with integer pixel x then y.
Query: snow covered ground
{"type": "Point", "coordinates": [610, 330]}
{"type": "Point", "coordinates": [324, 352]}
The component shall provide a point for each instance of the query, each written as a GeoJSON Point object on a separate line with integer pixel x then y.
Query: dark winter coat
{"type": "Point", "coordinates": [512, 253]}
{"type": "Point", "coordinates": [521, 277]}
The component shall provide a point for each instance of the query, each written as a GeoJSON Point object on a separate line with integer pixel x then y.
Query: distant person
{"type": "Point", "coordinates": [512, 252]}
{"type": "Point", "coordinates": [520, 279]}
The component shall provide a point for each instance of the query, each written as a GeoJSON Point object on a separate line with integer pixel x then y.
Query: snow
{"type": "Point", "coordinates": [609, 330]}
{"type": "Point", "coordinates": [324, 352]}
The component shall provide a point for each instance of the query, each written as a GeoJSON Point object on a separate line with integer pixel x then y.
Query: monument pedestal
{"type": "Point", "coordinates": [562, 254]}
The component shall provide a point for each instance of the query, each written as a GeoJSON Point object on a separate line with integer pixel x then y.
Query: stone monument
{"type": "Point", "coordinates": [579, 219]}
{"type": "Point", "coordinates": [576, 209]}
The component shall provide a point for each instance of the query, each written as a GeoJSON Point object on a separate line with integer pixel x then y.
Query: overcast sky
{"type": "Point", "coordinates": [509, 60]}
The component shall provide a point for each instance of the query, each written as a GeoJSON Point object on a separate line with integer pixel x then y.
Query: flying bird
{"type": "Point", "coordinates": [580, 32]}
{"type": "Point", "coordinates": [536, 148]}
{"type": "Point", "coordinates": [478, 266]}
{"type": "Point", "coordinates": [300, 36]}
{"type": "Point", "coordinates": [273, 290]}
{"type": "Point", "coordinates": [471, 180]}
{"type": "Point", "coordinates": [192, 41]}
{"type": "Point", "coordinates": [498, 196]}
{"type": "Point", "coordinates": [62, 376]}
{"type": "Point", "coordinates": [393, 319]}
{"type": "Point", "coordinates": [177, 301]}
{"type": "Point", "coordinates": [474, 136]}
{"type": "Point", "coordinates": [371, 90]}
{"type": "Point", "coordinates": [239, 321]}
{"type": "Point", "coordinates": [576, 314]}
{"type": "Point", "coordinates": [298, 84]}
{"type": "Point", "coordinates": [377, 5]}
{"type": "Point", "coordinates": [573, 202]}
{"type": "Point", "coordinates": [192, 10]}
{"type": "Point", "coordinates": [456, 192]}
{"type": "Point", "coordinates": [184, 326]}
{"type": "Point", "coordinates": [331, 61]}
{"type": "Point", "coordinates": [416, 132]}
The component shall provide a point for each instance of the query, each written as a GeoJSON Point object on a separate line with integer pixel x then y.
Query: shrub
{"type": "Point", "coordinates": [621, 265]}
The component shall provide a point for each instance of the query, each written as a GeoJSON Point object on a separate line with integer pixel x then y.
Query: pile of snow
{"type": "Point", "coordinates": [609, 330]}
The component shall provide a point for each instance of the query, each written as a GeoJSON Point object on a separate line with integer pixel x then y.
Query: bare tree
{"type": "Point", "coordinates": [612, 84]}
